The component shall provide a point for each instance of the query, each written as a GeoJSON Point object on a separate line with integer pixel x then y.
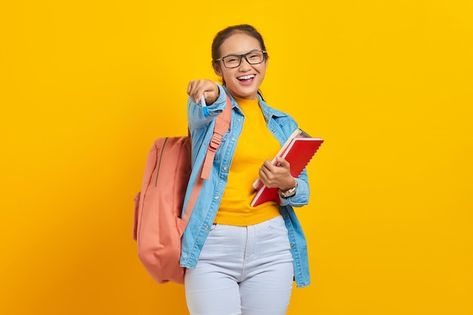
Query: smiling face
{"type": "Point", "coordinates": [241, 43]}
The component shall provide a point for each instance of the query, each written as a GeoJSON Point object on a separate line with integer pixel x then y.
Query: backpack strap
{"type": "Point", "coordinates": [222, 124]}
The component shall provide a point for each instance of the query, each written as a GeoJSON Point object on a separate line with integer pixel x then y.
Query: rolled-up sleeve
{"type": "Point", "coordinates": [199, 116]}
{"type": "Point", "coordinates": [301, 197]}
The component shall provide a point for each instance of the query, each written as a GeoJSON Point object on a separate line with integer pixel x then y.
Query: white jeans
{"type": "Point", "coordinates": [242, 270]}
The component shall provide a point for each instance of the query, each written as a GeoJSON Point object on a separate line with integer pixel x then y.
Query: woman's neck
{"type": "Point", "coordinates": [244, 101]}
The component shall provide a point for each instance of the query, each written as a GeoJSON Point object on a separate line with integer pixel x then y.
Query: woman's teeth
{"type": "Point", "coordinates": [246, 77]}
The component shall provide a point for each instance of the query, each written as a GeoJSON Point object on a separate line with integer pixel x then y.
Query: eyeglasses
{"type": "Point", "coordinates": [253, 57]}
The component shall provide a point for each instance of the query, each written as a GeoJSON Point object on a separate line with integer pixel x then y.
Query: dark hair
{"type": "Point", "coordinates": [227, 32]}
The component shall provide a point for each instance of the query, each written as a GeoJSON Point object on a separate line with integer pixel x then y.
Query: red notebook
{"type": "Point", "coordinates": [298, 151]}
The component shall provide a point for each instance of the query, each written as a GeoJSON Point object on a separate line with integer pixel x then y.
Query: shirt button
{"type": "Point", "coordinates": [216, 197]}
{"type": "Point", "coordinates": [225, 168]}
{"type": "Point", "coordinates": [233, 138]}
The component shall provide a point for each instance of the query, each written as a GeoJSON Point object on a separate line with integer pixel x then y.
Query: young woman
{"type": "Point", "coordinates": [242, 259]}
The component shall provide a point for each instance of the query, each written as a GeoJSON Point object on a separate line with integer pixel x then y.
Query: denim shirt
{"type": "Point", "coordinates": [201, 121]}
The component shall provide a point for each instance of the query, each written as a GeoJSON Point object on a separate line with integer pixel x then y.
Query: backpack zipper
{"type": "Point", "coordinates": [159, 165]}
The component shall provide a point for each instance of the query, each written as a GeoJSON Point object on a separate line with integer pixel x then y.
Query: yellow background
{"type": "Point", "coordinates": [86, 86]}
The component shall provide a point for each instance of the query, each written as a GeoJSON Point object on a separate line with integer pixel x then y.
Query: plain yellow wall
{"type": "Point", "coordinates": [86, 86]}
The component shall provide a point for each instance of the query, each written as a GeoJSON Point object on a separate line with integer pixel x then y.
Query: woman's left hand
{"type": "Point", "coordinates": [278, 175]}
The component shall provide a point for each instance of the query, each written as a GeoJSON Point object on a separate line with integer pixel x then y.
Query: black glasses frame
{"type": "Point", "coordinates": [240, 57]}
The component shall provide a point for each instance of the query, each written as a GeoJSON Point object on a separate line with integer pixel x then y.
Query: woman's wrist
{"type": "Point", "coordinates": [286, 192]}
{"type": "Point", "coordinates": [291, 183]}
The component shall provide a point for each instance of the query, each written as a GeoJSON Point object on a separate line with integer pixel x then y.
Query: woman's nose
{"type": "Point", "coordinates": [244, 65]}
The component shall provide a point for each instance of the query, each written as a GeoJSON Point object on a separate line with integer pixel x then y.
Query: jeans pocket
{"type": "Point", "coordinates": [276, 224]}
{"type": "Point", "coordinates": [273, 238]}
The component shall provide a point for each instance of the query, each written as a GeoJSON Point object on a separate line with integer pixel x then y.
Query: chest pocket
{"type": "Point", "coordinates": [222, 148]}
{"type": "Point", "coordinates": [286, 127]}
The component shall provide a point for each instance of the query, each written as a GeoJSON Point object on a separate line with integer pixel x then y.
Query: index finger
{"type": "Point", "coordinates": [269, 165]}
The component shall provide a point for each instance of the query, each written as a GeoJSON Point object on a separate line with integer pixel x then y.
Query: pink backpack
{"type": "Point", "coordinates": [157, 222]}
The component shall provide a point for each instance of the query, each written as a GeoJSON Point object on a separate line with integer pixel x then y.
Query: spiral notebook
{"type": "Point", "coordinates": [298, 150]}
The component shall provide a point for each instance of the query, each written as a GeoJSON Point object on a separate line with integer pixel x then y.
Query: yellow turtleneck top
{"type": "Point", "coordinates": [255, 145]}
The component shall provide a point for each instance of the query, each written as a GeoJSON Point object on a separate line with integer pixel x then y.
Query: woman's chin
{"type": "Point", "coordinates": [244, 92]}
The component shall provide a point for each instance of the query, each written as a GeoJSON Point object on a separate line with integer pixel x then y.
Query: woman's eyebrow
{"type": "Point", "coordinates": [233, 53]}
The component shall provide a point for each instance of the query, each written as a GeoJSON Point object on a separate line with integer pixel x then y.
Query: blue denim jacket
{"type": "Point", "coordinates": [201, 122]}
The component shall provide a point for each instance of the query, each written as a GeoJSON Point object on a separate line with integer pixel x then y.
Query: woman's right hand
{"type": "Point", "coordinates": [208, 88]}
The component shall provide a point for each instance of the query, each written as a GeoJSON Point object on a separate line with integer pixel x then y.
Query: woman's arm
{"type": "Point", "coordinates": [301, 197]}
